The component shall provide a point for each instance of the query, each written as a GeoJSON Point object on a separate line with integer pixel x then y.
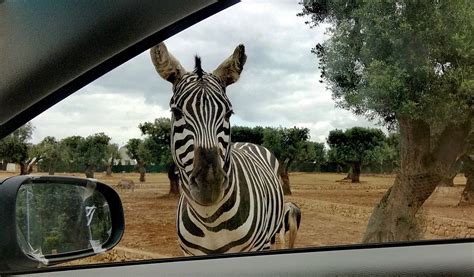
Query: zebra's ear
{"type": "Point", "coordinates": [165, 64]}
{"type": "Point", "coordinates": [229, 71]}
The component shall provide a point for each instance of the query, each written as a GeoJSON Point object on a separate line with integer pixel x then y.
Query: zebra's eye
{"type": "Point", "coordinates": [177, 113]}
{"type": "Point", "coordinates": [229, 114]}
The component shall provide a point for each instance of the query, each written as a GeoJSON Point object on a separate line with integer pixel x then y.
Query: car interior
{"type": "Point", "coordinates": [50, 50]}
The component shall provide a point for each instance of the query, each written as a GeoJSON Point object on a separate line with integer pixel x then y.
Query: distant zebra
{"type": "Point", "coordinates": [232, 198]}
{"type": "Point", "coordinates": [126, 184]}
{"type": "Point", "coordinates": [291, 223]}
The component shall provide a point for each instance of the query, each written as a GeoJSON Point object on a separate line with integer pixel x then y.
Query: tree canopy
{"type": "Point", "coordinates": [157, 144]}
{"type": "Point", "coordinates": [392, 59]}
{"type": "Point", "coordinates": [14, 148]}
{"type": "Point", "coordinates": [48, 152]}
{"type": "Point", "coordinates": [112, 155]}
{"type": "Point", "coordinates": [408, 64]}
{"type": "Point", "coordinates": [247, 134]}
{"type": "Point", "coordinates": [355, 146]}
{"type": "Point", "coordinates": [140, 151]}
{"type": "Point", "coordinates": [93, 152]}
{"type": "Point", "coordinates": [70, 150]}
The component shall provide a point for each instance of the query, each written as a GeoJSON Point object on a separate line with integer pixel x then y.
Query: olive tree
{"type": "Point", "coordinates": [158, 143]}
{"type": "Point", "coordinates": [288, 145]}
{"type": "Point", "coordinates": [407, 64]}
{"type": "Point", "coordinates": [70, 152]}
{"type": "Point", "coordinates": [355, 146]}
{"type": "Point", "coordinates": [140, 152]}
{"type": "Point", "coordinates": [247, 134]}
{"type": "Point", "coordinates": [467, 196]}
{"type": "Point", "coordinates": [48, 152]}
{"type": "Point", "coordinates": [15, 147]}
{"type": "Point", "coordinates": [93, 152]}
{"type": "Point", "coordinates": [112, 155]}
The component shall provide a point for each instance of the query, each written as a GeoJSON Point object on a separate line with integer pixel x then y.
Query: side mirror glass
{"type": "Point", "coordinates": [55, 218]}
{"type": "Point", "coordinates": [46, 220]}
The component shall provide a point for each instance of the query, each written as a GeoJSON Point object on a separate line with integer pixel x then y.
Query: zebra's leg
{"type": "Point", "coordinates": [273, 242]}
{"type": "Point", "coordinates": [293, 230]}
{"type": "Point", "coordinates": [282, 238]}
{"type": "Point", "coordinates": [268, 246]}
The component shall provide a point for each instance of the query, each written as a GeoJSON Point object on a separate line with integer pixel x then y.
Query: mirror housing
{"type": "Point", "coordinates": [12, 254]}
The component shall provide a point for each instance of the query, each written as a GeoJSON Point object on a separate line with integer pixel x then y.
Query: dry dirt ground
{"type": "Point", "coordinates": [334, 212]}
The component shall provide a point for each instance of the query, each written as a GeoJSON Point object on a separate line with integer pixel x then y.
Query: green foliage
{"type": "Point", "coordinates": [389, 154]}
{"type": "Point", "coordinates": [392, 59]}
{"type": "Point", "coordinates": [273, 140]}
{"type": "Point", "coordinates": [247, 134]}
{"type": "Point", "coordinates": [159, 130]}
{"type": "Point", "coordinates": [151, 152]}
{"type": "Point", "coordinates": [70, 152]}
{"type": "Point", "coordinates": [14, 148]}
{"type": "Point", "coordinates": [132, 148]}
{"type": "Point", "coordinates": [48, 152]}
{"type": "Point", "coordinates": [289, 144]}
{"type": "Point", "coordinates": [312, 160]}
{"type": "Point", "coordinates": [362, 145]}
{"type": "Point", "coordinates": [156, 147]}
{"type": "Point", "coordinates": [93, 150]}
{"type": "Point", "coordinates": [141, 150]}
{"type": "Point", "coordinates": [112, 153]}
{"type": "Point", "coordinates": [52, 217]}
{"type": "Point", "coordinates": [318, 151]}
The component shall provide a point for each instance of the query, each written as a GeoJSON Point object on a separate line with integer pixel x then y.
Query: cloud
{"type": "Point", "coordinates": [97, 109]}
{"type": "Point", "coordinates": [278, 87]}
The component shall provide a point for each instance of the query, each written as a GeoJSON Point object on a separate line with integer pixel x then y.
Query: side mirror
{"type": "Point", "coordinates": [46, 220]}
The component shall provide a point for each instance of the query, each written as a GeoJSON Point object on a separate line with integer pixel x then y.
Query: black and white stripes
{"type": "Point", "coordinates": [248, 215]}
{"type": "Point", "coordinates": [232, 199]}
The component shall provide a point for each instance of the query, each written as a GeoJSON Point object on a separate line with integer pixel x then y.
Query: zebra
{"type": "Point", "coordinates": [291, 223]}
{"type": "Point", "coordinates": [232, 198]}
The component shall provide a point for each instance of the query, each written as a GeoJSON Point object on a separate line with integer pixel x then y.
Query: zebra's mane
{"type": "Point", "coordinates": [197, 66]}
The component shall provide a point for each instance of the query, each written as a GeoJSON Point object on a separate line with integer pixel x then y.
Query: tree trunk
{"type": "Point", "coordinates": [467, 196]}
{"type": "Point", "coordinates": [30, 164]}
{"type": "Point", "coordinates": [26, 167]}
{"type": "Point", "coordinates": [349, 175]}
{"type": "Point", "coordinates": [51, 167]}
{"type": "Point", "coordinates": [109, 170]}
{"type": "Point", "coordinates": [23, 168]}
{"type": "Point", "coordinates": [174, 180]}
{"type": "Point", "coordinates": [422, 167]}
{"type": "Point", "coordinates": [355, 172]}
{"type": "Point", "coordinates": [30, 168]}
{"type": "Point", "coordinates": [142, 170]}
{"type": "Point", "coordinates": [448, 181]}
{"type": "Point", "coordinates": [90, 169]}
{"type": "Point", "coordinates": [285, 178]}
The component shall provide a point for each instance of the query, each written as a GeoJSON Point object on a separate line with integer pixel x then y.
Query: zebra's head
{"type": "Point", "coordinates": [200, 127]}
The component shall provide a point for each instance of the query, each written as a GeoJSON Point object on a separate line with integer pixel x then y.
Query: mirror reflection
{"type": "Point", "coordinates": [61, 218]}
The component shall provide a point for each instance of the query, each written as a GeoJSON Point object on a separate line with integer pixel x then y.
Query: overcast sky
{"type": "Point", "coordinates": [279, 85]}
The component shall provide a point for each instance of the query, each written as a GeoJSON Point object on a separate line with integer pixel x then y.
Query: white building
{"type": "Point", "coordinates": [125, 158]}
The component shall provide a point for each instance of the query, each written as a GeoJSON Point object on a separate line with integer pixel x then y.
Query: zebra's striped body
{"type": "Point", "coordinates": [232, 198]}
{"type": "Point", "coordinates": [249, 214]}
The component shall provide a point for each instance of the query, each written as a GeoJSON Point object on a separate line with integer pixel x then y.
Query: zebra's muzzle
{"type": "Point", "coordinates": [208, 180]}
